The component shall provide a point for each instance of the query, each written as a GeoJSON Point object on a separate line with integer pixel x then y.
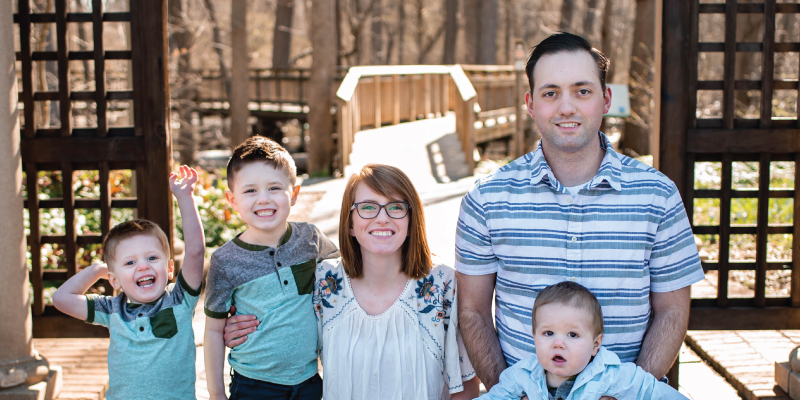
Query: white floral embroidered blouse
{"type": "Point", "coordinates": [413, 350]}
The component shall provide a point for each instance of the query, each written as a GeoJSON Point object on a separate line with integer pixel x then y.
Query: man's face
{"type": "Point", "coordinates": [567, 101]}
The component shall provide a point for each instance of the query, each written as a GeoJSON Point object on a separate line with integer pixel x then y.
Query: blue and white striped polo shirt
{"type": "Point", "coordinates": [623, 235]}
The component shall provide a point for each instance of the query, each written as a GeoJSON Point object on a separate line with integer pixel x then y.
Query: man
{"type": "Point", "coordinates": [575, 210]}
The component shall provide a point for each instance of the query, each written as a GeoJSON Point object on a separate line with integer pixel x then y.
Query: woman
{"type": "Point", "coordinates": [387, 313]}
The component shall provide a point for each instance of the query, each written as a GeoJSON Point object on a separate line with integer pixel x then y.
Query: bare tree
{"type": "Point", "coordinates": [637, 128]}
{"type": "Point", "coordinates": [240, 79]}
{"type": "Point", "coordinates": [567, 12]}
{"type": "Point", "coordinates": [282, 34]}
{"type": "Point", "coordinates": [182, 83]}
{"type": "Point", "coordinates": [401, 31]}
{"type": "Point", "coordinates": [356, 18]}
{"type": "Point", "coordinates": [218, 46]}
{"type": "Point", "coordinates": [377, 33]}
{"type": "Point", "coordinates": [320, 120]}
{"type": "Point", "coordinates": [425, 42]}
{"type": "Point", "coordinates": [488, 38]}
{"type": "Point", "coordinates": [450, 31]}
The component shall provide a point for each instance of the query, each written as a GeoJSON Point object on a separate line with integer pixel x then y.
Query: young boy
{"type": "Point", "coordinates": [152, 351]}
{"type": "Point", "coordinates": [266, 271]}
{"type": "Point", "coordinates": [570, 363]}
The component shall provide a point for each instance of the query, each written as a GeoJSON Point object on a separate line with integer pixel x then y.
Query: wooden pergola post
{"type": "Point", "coordinates": [22, 369]}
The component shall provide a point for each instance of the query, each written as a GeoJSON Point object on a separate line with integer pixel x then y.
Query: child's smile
{"type": "Point", "coordinates": [140, 268]}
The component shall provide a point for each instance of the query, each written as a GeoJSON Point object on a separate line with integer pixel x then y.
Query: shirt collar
{"type": "Point", "coordinates": [610, 168]}
{"type": "Point", "coordinates": [598, 365]}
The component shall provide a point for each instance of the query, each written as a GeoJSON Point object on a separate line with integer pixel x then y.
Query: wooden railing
{"type": "Point", "coordinates": [283, 90]}
{"type": "Point", "coordinates": [381, 95]}
{"type": "Point", "coordinates": [501, 112]}
{"type": "Point", "coordinates": [486, 99]}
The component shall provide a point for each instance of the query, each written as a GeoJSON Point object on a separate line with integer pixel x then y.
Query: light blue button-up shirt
{"type": "Point", "coordinates": [604, 376]}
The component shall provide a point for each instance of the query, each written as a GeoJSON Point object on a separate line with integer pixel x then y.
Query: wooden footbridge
{"type": "Point", "coordinates": [485, 100]}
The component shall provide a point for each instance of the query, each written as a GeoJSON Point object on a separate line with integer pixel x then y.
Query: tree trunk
{"type": "Point", "coordinates": [217, 39]}
{"type": "Point", "coordinates": [338, 28]}
{"type": "Point", "coordinates": [240, 77]}
{"type": "Point", "coordinates": [637, 128]}
{"type": "Point", "coordinates": [320, 120]}
{"type": "Point", "coordinates": [184, 91]}
{"type": "Point", "coordinates": [472, 34]}
{"type": "Point", "coordinates": [488, 33]}
{"type": "Point", "coordinates": [401, 31]}
{"type": "Point", "coordinates": [567, 11]}
{"type": "Point", "coordinates": [282, 34]}
{"type": "Point", "coordinates": [450, 32]}
{"type": "Point", "coordinates": [591, 21]}
{"type": "Point", "coordinates": [377, 33]}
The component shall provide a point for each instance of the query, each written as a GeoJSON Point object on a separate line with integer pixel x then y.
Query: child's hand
{"type": "Point", "coordinates": [101, 269]}
{"type": "Point", "coordinates": [182, 183]}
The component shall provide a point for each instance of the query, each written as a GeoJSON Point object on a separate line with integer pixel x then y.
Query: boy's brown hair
{"type": "Point", "coordinates": [392, 183]}
{"type": "Point", "coordinates": [261, 149]}
{"type": "Point", "coordinates": [570, 294]}
{"type": "Point", "coordinates": [129, 229]}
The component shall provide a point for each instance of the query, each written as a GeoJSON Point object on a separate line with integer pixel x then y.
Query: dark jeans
{"type": "Point", "coordinates": [245, 388]}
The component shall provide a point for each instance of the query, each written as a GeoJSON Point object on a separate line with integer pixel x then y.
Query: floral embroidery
{"type": "Point", "coordinates": [433, 296]}
{"type": "Point", "coordinates": [325, 288]}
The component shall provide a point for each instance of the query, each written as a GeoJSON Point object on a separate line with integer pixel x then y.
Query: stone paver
{"type": "Point", "coordinates": [747, 358]}
{"type": "Point", "coordinates": [83, 362]}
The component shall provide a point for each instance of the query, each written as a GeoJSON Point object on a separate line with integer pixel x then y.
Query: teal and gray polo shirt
{"type": "Point", "coordinates": [152, 352]}
{"type": "Point", "coordinates": [275, 285]}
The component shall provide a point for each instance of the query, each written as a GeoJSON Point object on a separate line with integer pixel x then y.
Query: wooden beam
{"type": "Point", "coordinates": [84, 149]}
{"type": "Point", "coordinates": [743, 141]}
{"type": "Point", "coordinates": [151, 108]}
{"type": "Point", "coordinates": [674, 91]}
{"type": "Point", "coordinates": [735, 318]}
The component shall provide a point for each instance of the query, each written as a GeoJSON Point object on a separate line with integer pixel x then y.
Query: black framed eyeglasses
{"type": "Point", "coordinates": [370, 210]}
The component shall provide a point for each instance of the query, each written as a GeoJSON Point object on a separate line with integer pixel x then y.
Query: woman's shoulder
{"type": "Point", "coordinates": [441, 270]}
{"type": "Point", "coordinates": [333, 265]}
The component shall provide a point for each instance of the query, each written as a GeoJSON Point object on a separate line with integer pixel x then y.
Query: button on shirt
{"type": "Point", "coordinates": [626, 234]}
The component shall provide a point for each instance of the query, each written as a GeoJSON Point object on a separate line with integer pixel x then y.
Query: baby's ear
{"type": "Point", "coordinates": [170, 269]}
{"type": "Point", "coordinates": [598, 341]}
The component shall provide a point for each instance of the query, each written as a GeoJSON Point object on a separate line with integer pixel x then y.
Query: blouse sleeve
{"type": "Point", "coordinates": [458, 368]}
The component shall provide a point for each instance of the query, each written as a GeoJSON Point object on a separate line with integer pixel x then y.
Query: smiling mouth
{"type": "Point", "coordinates": [569, 125]}
{"type": "Point", "coordinates": [265, 213]}
{"type": "Point", "coordinates": [146, 282]}
{"type": "Point", "coordinates": [382, 233]}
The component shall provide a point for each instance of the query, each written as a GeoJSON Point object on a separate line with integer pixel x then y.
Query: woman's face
{"type": "Point", "coordinates": [381, 235]}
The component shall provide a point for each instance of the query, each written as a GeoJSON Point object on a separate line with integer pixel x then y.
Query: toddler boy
{"type": "Point", "coordinates": [151, 354]}
{"type": "Point", "coordinates": [266, 271]}
{"type": "Point", "coordinates": [570, 363]}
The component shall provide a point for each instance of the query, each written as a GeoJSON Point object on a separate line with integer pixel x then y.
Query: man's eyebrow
{"type": "Point", "coordinates": [576, 84]}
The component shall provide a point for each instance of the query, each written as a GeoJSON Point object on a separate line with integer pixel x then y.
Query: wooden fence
{"type": "Point", "coordinates": [141, 146]}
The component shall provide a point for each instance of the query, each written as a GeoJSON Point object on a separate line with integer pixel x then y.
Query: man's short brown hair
{"type": "Point", "coordinates": [261, 149]}
{"type": "Point", "coordinates": [130, 229]}
{"type": "Point", "coordinates": [392, 183]}
{"type": "Point", "coordinates": [570, 294]}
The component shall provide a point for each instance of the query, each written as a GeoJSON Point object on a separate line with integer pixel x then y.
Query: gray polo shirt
{"type": "Point", "coordinates": [275, 285]}
{"type": "Point", "coordinates": [152, 352]}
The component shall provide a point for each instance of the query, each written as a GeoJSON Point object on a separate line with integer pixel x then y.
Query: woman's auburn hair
{"type": "Point", "coordinates": [392, 183]}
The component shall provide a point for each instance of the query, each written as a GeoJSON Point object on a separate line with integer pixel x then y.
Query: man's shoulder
{"type": "Point", "coordinates": [633, 171]}
{"type": "Point", "coordinates": [515, 172]}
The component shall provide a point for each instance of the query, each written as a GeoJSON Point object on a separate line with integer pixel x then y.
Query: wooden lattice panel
{"type": "Point", "coordinates": [101, 120]}
{"type": "Point", "coordinates": [728, 101]}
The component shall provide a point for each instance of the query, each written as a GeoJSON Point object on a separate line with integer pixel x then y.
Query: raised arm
{"type": "Point", "coordinates": [477, 327]}
{"type": "Point", "coordinates": [182, 186]}
{"type": "Point", "coordinates": [70, 298]}
{"type": "Point", "coordinates": [663, 338]}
